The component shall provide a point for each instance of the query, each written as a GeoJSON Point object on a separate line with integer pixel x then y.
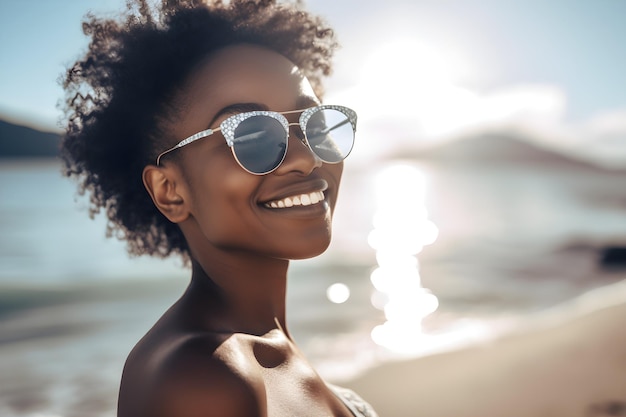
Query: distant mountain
{"type": "Point", "coordinates": [24, 142]}
{"type": "Point", "coordinates": [500, 149]}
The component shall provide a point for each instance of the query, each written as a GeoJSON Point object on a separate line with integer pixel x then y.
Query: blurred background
{"type": "Point", "coordinates": [487, 185]}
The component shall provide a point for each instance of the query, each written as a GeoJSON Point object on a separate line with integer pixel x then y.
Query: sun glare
{"type": "Point", "coordinates": [410, 91]}
{"type": "Point", "coordinates": [401, 230]}
{"type": "Point", "coordinates": [412, 60]}
{"type": "Point", "coordinates": [417, 84]}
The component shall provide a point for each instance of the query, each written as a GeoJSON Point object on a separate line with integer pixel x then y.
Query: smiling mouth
{"type": "Point", "coordinates": [307, 199]}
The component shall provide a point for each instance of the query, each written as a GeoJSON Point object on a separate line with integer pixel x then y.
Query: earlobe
{"type": "Point", "coordinates": [161, 184]}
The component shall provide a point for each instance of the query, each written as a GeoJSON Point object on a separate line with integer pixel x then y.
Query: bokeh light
{"type": "Point", "coordinates": [338, 293]}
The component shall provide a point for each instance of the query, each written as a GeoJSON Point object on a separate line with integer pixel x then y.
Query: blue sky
{"type": "Point", "coordinates": [566, 54]}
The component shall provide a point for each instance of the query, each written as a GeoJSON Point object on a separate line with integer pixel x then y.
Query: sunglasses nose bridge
{"type": "Point", "coordinates": [296, 130]}
{"type": "Point", "coordinates": [299, 157]}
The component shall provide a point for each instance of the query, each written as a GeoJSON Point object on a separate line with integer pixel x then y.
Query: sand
{"type": "Point", "coordinates": [569, 361]}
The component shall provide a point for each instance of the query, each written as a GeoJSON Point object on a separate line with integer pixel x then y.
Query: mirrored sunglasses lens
{"type": "Point", "coordinates": [330, 135]}
{"type": "Point", "coordinates": [260, 144]}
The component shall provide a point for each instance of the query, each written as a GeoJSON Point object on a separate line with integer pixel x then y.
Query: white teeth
{"type": "Point", "coordinates": [297, 200]}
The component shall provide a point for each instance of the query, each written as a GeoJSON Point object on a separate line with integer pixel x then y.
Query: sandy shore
{"type": "Point", "coordinates": [567, 362]}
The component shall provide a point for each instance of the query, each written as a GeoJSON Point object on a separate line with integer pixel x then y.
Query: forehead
{"type": "Point", "coordinates": [248, 74]}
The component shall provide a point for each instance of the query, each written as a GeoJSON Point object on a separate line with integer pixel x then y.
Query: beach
{"type": "Point", "coordinates": [569, 361]}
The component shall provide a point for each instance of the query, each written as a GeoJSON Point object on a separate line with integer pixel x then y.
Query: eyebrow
{"type": "Point", "coordinates": [237, 108]}
{"type": "Point", "coordinates": [301, 103]}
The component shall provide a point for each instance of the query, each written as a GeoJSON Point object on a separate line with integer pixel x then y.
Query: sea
{"type": "Point", "coordinates": [425, 257]}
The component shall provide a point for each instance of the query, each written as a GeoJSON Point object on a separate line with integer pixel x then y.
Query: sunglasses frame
{"type": "Point", "coordinates": [228, 126]}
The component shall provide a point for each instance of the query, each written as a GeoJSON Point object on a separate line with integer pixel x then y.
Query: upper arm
{"type": "Point", "coordinates": [193, 380]}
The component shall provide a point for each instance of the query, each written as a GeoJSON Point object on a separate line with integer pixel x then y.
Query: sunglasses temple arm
{"type": "Point", "coordinates": [187, 141]}
{"type": "Point", "coordinates": [158, 160]}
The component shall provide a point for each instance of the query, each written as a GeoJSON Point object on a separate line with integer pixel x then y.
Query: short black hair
{"type": "Point", "coordinates": [119, 95]}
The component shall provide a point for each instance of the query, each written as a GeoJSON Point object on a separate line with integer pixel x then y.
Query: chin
{"type": "Point", "coordinates": [310, 250]}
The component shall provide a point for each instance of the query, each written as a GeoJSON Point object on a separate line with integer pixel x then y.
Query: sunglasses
{"type": "Point", "coordinates": [259, 139]}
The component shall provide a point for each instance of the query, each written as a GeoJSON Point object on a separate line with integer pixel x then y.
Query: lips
{"type": "Point", "coordinates": [306, 199]}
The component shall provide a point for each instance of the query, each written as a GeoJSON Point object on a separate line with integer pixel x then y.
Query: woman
{"type": "Point", "coordinates": [214, 110]}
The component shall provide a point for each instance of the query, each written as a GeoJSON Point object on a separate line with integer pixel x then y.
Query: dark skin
{"type": "Point", "coordinates": [223, 349]}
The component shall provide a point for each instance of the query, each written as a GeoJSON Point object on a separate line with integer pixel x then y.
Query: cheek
{"type": "Point", "coordinates": [336, 170]}
{"type": "Point", "coordinates": [223, 201]}
{"type": "Point", "coordinates": [219, 194]}
{"type": "Point", "coordinates": [219, 217]}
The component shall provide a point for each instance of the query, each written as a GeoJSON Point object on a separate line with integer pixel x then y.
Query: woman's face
{"type": "Point", "coordinates": [230, 208]}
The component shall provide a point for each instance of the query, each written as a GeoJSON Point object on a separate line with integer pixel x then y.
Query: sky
{"type": "Point", "coordinates": [417, 69]}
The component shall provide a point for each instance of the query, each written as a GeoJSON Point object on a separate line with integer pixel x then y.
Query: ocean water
{"type": "Point", "coordinates": [432, 256]}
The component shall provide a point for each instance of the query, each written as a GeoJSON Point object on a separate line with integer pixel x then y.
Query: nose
{"type": "Point", "coordinates": [300, 158]}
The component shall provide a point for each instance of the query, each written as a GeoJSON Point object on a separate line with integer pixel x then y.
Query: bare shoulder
{"type": "Point", "coordinates": [191, 375]}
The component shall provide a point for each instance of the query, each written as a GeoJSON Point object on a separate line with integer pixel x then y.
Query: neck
{"type": "Point", "coordinates": [237, 292]}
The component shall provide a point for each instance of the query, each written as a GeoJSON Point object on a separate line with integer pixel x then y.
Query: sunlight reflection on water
{"type": "Point", "coordinates": [401, 230]}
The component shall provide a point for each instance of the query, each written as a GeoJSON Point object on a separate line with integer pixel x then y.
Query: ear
{"type": "Point", "coordinates": [165, 191]}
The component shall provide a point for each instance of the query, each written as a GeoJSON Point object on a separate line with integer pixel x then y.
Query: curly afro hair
{"type": "Point", "coordinates": [120, 94]}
